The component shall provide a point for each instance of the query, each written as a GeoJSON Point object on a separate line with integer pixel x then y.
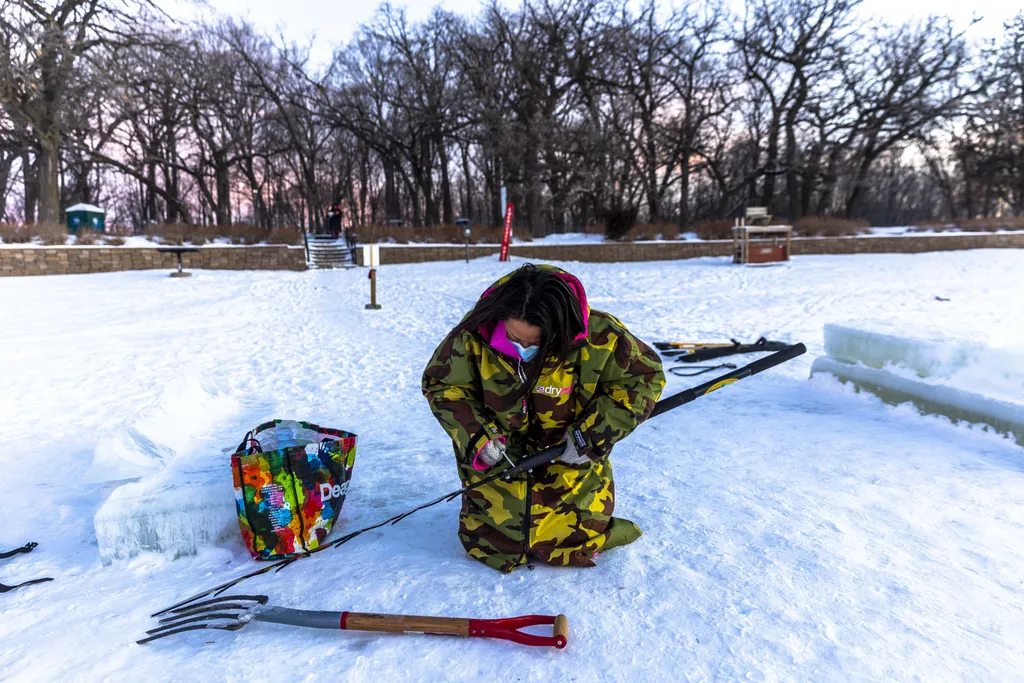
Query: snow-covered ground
{"type": "Point", "coordinates": [794, 530]}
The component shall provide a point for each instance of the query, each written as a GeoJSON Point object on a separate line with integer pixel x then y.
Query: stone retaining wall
{"type": "Point", "coordinates": [67, 260]}
{"type": "Point", "coordinates": [908, 244]}
{"type": "Point", "coordinates": [590, 252]}
{"type": "Point", "coordinates": [667, 251]}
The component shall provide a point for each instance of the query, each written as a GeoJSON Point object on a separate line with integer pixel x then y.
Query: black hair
{"type": "Point", "coordinates": [540, 297]}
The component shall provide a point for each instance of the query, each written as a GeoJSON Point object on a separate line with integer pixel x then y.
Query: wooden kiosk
{"type": "Point", "coordinates": [754, 241]}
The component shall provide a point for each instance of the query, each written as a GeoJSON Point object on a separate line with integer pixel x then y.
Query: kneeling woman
{"type": "Point", "coordinates": [529, 367]}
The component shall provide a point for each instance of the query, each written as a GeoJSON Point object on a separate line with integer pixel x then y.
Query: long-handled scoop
{"type": "Point", "coordinates": [232, 612]}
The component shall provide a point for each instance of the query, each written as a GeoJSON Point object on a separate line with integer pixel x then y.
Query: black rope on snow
{"type": "Point", "coordinates": [700, 369]}
{"type": "Point", "coordinates": [281, 564]}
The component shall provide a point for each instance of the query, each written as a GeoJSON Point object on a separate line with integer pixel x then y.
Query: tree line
{"type": "Point", "coordinates": [582, 109]}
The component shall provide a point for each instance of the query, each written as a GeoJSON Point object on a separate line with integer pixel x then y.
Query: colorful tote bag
{"type": "Point", "coordinates": [290, 482]}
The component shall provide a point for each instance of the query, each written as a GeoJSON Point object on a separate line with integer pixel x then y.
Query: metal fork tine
{"type": "Point", "coordinates": [224, 613]}
{"type": "Point", "coordinates": [242, 607]}
{"type": "Point", "coordinates": [261, 599]}
{"type": "Point", "coordinates": [197, 627]}
{"type": "Point", "coordinates": [233, 616]}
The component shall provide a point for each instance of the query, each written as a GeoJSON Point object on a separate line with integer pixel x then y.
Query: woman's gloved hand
{"type": "Point", "coordinates": [571, 455]}
{"type": "Point", "coordinates": [490, 454]}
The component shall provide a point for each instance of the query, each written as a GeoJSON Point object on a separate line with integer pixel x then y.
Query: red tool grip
{"type": "Point", "coordinates": [508, 629]}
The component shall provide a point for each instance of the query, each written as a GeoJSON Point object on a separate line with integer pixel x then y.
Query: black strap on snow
{"type": "Point", "coordinates": [694, 370]}
{"type": "Point", "coordinates": [7, 589]}
{"type": "Point", "coordinates": [27, 548]}
{"type": "Point", "coordinates": [527, 464]}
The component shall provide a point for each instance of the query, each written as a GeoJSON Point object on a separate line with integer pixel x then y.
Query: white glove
{"type": "Point", "coordinates": [489, 455]}
{"type": "Point", "coordinates": [571, 456]}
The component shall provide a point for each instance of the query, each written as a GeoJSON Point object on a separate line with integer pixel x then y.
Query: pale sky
{"type": "Point", "coordinates": [330, 22]}
{"type": "Point", "coordinates": [326, 22]}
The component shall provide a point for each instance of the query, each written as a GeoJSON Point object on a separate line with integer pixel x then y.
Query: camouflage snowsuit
{"type": "Point", "coordinates": [561, 514]}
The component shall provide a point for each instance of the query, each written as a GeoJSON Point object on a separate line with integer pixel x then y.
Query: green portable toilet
{"type": "Point", "coordinates": [86, 216]}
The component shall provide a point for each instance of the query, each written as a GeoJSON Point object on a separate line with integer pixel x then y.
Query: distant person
{"type": "Point", "coordinates": [350, 242]}
{"type": "Point", "coordinates": [531, 366]}
{"type": "Point", "coordinates": [334, 220]}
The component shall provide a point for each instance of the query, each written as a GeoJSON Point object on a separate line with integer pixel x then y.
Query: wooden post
{"type": "Point", "coordinates": [371, 257]}
{"type": "Point", "coordinates": [373, 305]}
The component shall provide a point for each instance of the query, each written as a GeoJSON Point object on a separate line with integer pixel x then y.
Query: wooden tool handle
{"type": "Point", "coordinates": [561, 629]}
{"type": "Point", "coordinates": [397, 623]}
{"type": "Point", "coordinates": [505, 629]}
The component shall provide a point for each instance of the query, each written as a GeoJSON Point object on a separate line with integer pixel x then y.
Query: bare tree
{"type": "Point", "coordinates": [578, 107]}
{"type": "Point", "coordinates": [788, 46]}
{"type": "Point", "coordinates": [904, 82]}
{"type": "Point", "coordinates": [702, 89]}
{"type": "Point", "coordinates": [988, 150]}
{"type": "Point", "coordinates": [42, 47]}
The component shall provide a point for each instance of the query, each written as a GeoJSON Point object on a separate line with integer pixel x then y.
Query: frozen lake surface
{"type": "Point", "coordinates": [794, 530]}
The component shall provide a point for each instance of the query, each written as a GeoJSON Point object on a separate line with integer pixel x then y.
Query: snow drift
{"type": "Point", "coordinates": [164, 431]}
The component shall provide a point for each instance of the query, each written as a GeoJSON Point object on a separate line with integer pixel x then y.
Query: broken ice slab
{"type": "Point", "coordinates": [956, 404]}
{"type": "Point", "coordinates": [927, 358]}
{"type": "Point", "coordinates": [174, 518]}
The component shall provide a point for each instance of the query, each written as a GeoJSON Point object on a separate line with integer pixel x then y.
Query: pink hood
{"type": "Point", "coordinates": [496, 334]}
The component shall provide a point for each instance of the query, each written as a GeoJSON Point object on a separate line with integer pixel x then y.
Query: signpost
{"type": "Point", "coordinates": [506, 236]}
{"type": "Point", "coordinates": [371, 257]}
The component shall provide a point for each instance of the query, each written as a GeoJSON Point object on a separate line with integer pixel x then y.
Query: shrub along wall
{"type": "Point", "coordinates": [666, 251]}
{"type": "Point", "coordinates": [67, 260]}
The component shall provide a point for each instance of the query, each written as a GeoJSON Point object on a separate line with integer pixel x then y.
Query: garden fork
{"type": "Point", "coordinates": [232, 612]}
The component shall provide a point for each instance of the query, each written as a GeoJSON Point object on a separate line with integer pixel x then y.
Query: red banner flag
{"type": "Point", "coordinates": [506, 237]}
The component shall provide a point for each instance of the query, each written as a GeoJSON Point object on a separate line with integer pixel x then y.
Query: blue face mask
{"type": "Point", "coordinates": [525, 352]}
